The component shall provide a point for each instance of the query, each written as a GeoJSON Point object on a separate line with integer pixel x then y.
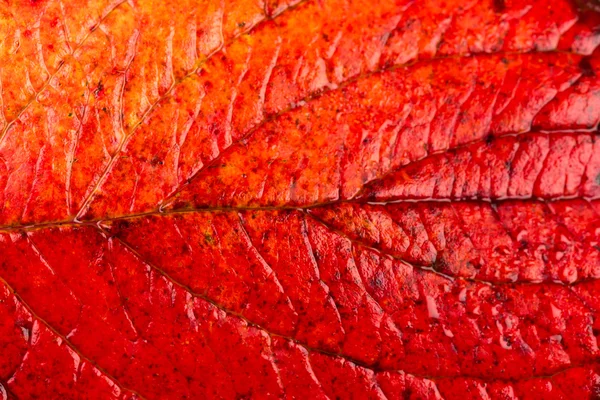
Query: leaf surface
{"type": "Point", "coordinates": [299, 199]}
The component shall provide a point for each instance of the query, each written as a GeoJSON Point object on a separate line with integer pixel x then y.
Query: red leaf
{"type": "Point", "coordinates": [299, 199]}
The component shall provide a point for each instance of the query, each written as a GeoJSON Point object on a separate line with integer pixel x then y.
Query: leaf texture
{"type": "Point", "coordinates": [299, 199]}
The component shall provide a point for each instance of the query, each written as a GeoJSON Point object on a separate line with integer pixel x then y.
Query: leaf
{"type": "Point", "coordinates": [299, 199]}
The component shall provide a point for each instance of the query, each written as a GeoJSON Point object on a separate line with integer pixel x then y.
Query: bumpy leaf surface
{"type": "Point", "coordinates": [299, 199]}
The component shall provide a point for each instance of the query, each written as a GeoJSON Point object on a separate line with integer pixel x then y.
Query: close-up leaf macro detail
{"type": "Point", "coordinates": [299, 199]}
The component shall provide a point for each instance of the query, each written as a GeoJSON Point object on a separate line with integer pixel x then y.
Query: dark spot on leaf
{"type": "Point", "coordinates": [123, 224]}
{"type": "Point", "coordinates": [499, 6]}
{"type": "Point", "coordinates": [586, 67]}
{"type": "Point", "coordinates": [156, 161]}
{"type": "Point", "coordinates": [377, 281]}
{"type": "Point", "coordinates": [99, 89]}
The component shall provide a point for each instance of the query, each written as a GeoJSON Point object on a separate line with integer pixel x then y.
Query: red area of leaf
{"type": "Point", "coordinates": [299, 199]}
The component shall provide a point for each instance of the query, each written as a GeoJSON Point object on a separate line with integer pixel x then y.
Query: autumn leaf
{"type": "Point", "coordinates": [299, 199]}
